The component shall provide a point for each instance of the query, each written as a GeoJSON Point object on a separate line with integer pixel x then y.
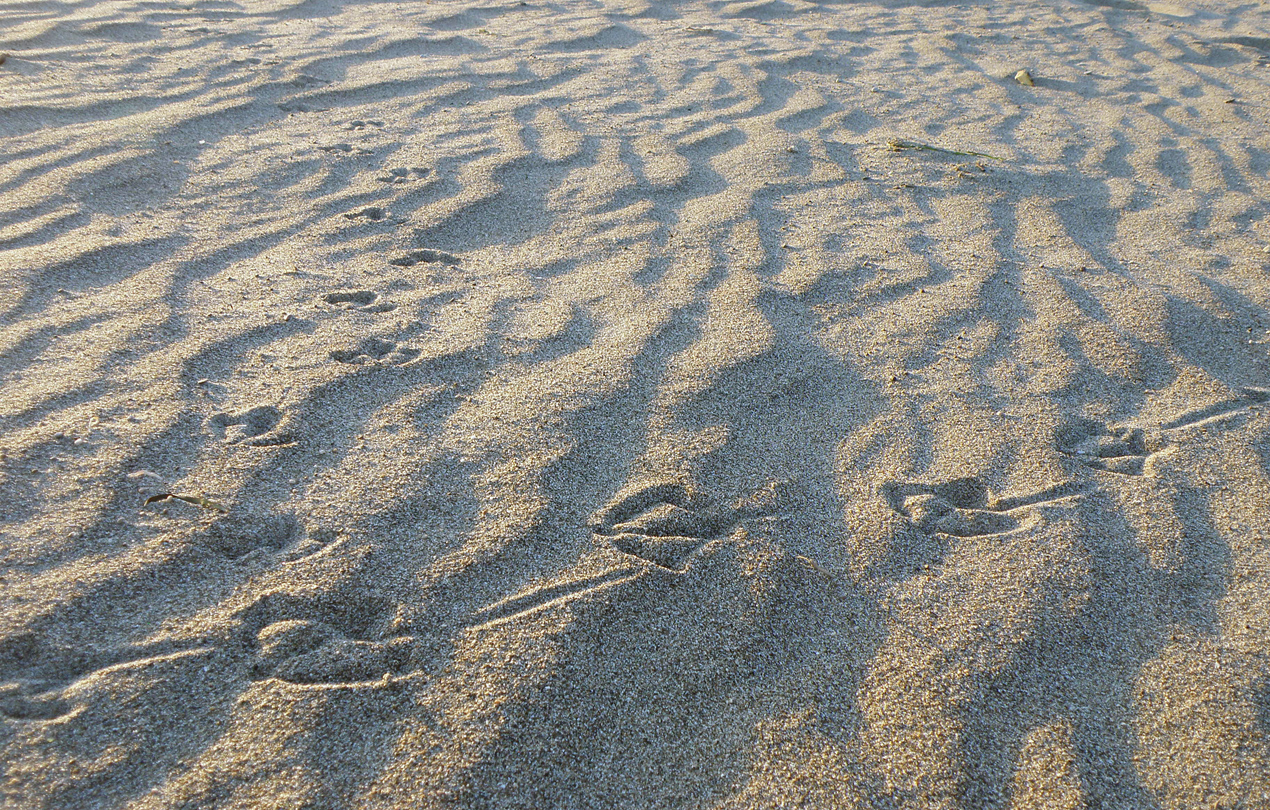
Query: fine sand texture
{"type": "Point", "coordinates": [635, 404]}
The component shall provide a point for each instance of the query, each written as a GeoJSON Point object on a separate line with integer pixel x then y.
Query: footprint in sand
{"type": "Point", "coordinates": [424, 256]}
{"type": "Point", "coordinates": [358, 298]}
{"type": "Point", "coordinates": [36, 677]}
{"type": "Point", "coordinates": [364, 300]}
{"type": "Point", "coordinates": [667, 524]}
{"type": "Point", "coordinates": [371, 213]}
{"type": "Point", "coordinates": [963, 507]}
{"type": "Point", "coordinates": [1121, 450]}
{"type": "Point", "coordinates": [253, 427]}
{"type": "Point", "coordinates": [236, 536]}
{"type": "Point", "coordinates": [305, 651]}
{"type": "Point", "coordinates": [22, 702]}
{"type": "Point", "coordinates": [375, 351]}
{"type": "Point", "coordinates": [330, 641]}
{"type": "Point", "coordinates": [308, 545]}
{"type": "Point", "coordinates": [403, 174]}
{"type": "Point", "coordinates": [1127, 450]}
{"type": "Point", "coordinates": [295, 106]}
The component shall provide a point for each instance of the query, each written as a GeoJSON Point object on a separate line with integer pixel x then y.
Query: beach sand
{"type": "Point", "coordinates": [589, 408]}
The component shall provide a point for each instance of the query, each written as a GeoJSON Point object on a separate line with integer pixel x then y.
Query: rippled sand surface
{"type": "Point", "coordinates": [628, 404]}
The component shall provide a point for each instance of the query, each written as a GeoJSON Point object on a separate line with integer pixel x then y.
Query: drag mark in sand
{"type": "Point", "coordinates": [1220, 411]}
{"type": "Point", "coordinates": [526, 604]}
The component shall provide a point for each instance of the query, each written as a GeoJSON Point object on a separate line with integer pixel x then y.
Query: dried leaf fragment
{"type": "Point", "coordinates": [900, 145]}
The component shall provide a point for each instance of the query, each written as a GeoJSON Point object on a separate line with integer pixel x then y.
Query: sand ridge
{"type": "Point", "coordinates": [605, 415]}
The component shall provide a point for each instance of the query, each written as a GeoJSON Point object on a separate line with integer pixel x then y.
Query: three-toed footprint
{"type": "Point", "coordinates": [305, 651]}
{"type": "Point", "coordinates": [403, 174]}
{"type": "Point", "coordinates": [963, 507]}
{"type": "Point", "coordinates": [362, 300]}
{"type": "Point", "coordinates": [1129, 449]}
{"type": "Point", "coordinates": [667, 524]}
{"type": "Point", "coordinates": [375, 350]}
{"type": "Point", "coordinates": [254, 426]}
{"type": "Point", "coordinates": [1122, 450]}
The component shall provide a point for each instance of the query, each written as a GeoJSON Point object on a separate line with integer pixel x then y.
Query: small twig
{"type": "Point", "coordinates": [197, 500]}
{"type": "Point", "coordinates": [897, 145]}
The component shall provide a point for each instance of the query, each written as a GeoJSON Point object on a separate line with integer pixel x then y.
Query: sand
{"type": "Point", "coordinates": [603, 415]}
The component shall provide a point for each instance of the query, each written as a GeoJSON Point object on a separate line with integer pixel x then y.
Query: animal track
{"type": "Point", "coordinates": [425, 256]}
{"type": "Point", "coordinates": [962, 507]}
{"type": "Point", "coordinates": [361, 298]}
{"type": "Point", "coordinates": [34, 675]}
{"type": "Point", "coordinates": [309, 545]}
{"type": "Point", "coordinates": [364, 300]}
{"type": "Point", "coordinates": [1221, 411]}
{"type": "Point", "coordinates": [1125, 449]}
{"type": "Point", "coordinates": [236, 536]}
{"type": "Point", "coordinates": [333, 640]}
{"type": "Point", "coordinates": [304, 651]}
{"type": "Point", "coordinates": [666, 524]}
{"type": "Point", "coordinates": [292, 106]}
{"type": "Point", "coordinates": [403, 174]}
{"type": "Point", "coordinates": [1121, 450]}
{"type": "Point", "coordinates": [250, 427]}
{"type": "Point", "coordinates": [305, 80]}
{"type": "Point", "coordinates": [21, 702]}
{"type": "Point", "coordinates": [372, 213]}
{"type": "Point", "coordinates": [375, 350]}
{"type": "Point", "coordinates": [543, 598]}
